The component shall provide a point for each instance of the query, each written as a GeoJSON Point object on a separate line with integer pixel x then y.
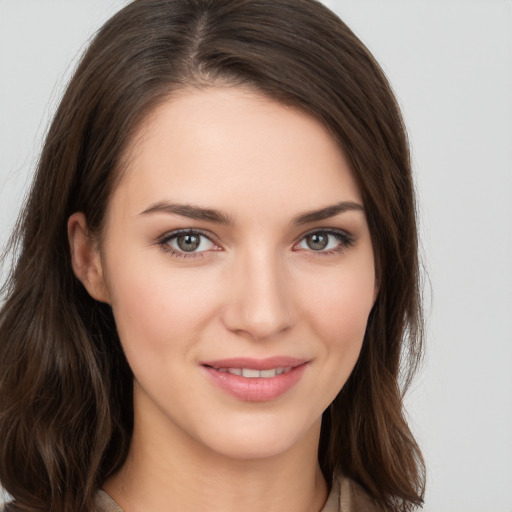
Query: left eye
{"type": "Point", "coordinates": [323, 241]}
{"type": "Point", "coordinates": [189, 242]}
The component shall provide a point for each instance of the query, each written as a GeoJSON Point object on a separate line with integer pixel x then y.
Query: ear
{"type": "Point", "coordinates": [86, 259]}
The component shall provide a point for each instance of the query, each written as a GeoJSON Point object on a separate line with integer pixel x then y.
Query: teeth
{"type": "Point", "coordinates": [251, 374]}
{"type": "Point", "coordinates": [254, 374]}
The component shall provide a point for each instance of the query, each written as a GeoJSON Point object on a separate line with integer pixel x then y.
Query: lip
{"type": "Point", "coordinates": [257, 389]}
{"type": "Point", "coordinates": [255, 364]}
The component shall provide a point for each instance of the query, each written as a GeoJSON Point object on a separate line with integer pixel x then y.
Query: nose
{"type": "Point", "coordinates": [260, 301]}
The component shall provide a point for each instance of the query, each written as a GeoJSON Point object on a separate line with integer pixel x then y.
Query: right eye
{"type": "Point", "coordinates": [186, 243]}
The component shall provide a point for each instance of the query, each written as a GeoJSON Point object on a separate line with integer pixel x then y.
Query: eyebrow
{"type": "Point", "coordinates": [327, 212]}
{"type": "Point", "coordinates": [190, 211]}
{"type": "Point", "coordinates": [210, 215]}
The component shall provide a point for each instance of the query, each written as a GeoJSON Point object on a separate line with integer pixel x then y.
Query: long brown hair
{"type": "Point", "coordinates": [66, 412]}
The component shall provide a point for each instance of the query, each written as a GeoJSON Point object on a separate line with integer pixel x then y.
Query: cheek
{"type": "Point", "coordinates": [339, 305]}
{"type": "Point", "coordinates": [158, 309]}
{"type": "Point", "coordinates": [342, 301]}
{"type": "Point", "coordinates": [348, 310]}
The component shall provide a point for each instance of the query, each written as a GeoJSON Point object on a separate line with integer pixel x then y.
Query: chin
{"type": "Point", "coordinates": [261, 439]}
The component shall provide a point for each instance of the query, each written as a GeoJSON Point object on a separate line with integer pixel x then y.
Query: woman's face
{"type": "Point", "coordinates": [237, 259]}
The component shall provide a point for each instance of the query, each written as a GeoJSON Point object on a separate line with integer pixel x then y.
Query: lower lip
{"type": "Point", "coordinates": [256, 389]}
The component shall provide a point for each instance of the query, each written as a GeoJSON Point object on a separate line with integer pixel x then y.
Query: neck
{"type": "Point", "coordinates": [166, 469]}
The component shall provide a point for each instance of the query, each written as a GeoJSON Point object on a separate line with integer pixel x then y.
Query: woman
{"type": "Point", "coordinates": [217, 274]}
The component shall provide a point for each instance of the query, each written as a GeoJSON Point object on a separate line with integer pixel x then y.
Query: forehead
{"type": "Point", "coordinates": [214, 145]}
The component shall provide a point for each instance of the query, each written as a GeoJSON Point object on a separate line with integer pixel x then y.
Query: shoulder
{"type": "Point", "coordinates": [5, 504]}
{"type": "Point", "coordinates": [346, 496]}
{"type": "Point", "coordinates": [351, 497]}
{"type": "Point", "coordinates": [104, 503]}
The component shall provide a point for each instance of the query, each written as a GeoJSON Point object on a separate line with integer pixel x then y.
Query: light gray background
{"type": "Point", "coordinates": [450, 63]}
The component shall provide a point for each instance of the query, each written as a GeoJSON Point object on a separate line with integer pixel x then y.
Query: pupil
{"type": "Point", "coordinates": [317, 241]}
{"type": "Point", "coordinates": [188, 243]}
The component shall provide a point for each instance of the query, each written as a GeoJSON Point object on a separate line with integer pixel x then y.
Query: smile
{"type": "Point", "coordinates": [256, 380]}
{"type": "Point", "coordinates": [250, 373]}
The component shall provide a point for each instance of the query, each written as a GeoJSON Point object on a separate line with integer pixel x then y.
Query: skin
{"type": "Point", "coordinates": [254, 288]}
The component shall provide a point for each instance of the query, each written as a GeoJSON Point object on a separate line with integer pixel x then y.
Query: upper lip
{"type": "Point", "coordinates": [256, 364]}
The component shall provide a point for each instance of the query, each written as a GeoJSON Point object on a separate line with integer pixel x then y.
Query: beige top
{"type": "Point", "coordinates": [346, 496]}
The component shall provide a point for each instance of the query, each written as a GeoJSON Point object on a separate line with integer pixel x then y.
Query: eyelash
{"type": "Point", "coordinates": [345, 240]}
{"type": "Point", "coordinates": [165, 240]}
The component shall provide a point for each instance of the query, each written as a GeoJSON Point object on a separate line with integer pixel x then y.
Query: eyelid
{"type": "Point", "coordinates": [345, 239]}
{"type": "Point", "coordinates": [163, 242]}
